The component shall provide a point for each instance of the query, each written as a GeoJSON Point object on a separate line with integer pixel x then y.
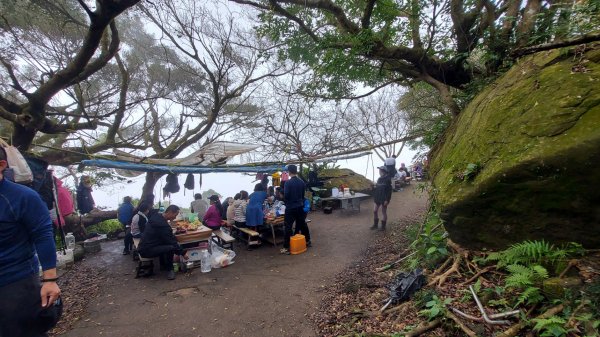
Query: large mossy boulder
{"type": "Point", "coordinates": [336, 177]}
{"type": "Point", "coordinates": [522, 161]}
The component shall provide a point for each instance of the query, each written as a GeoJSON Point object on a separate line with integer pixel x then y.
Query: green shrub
{"type": "Point", "coordinates": [108, 227]}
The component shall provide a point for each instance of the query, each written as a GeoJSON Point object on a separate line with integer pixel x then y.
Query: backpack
{"type": "Point", "coordinates": [172, 185]}
{"type": "Point", "coordinates": [189, 182]}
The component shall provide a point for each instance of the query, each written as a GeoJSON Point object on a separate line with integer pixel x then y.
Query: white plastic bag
{"type": "Point", "coordinates": [15, 160]}
{"type": "Point", "coordinates": [220, 257]}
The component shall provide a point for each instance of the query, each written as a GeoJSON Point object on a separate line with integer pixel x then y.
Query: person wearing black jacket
{"type": "Point", "coordinates": [158, 240]}
{"type": "Point", "coordinates": [381, 197]}
{"type": "Point", "coordinates": [293, 194]}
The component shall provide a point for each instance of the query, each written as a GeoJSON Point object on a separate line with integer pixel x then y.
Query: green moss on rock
{"type": "Point", "coordinates": [536, 134]}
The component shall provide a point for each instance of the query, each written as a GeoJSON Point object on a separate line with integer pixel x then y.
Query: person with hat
{"type": "Point", "coordinates": [293, 195]}
{"type": "Point", "coordinates": [212, 217]}
{"type": "Point", "coordinates": [382, 195]}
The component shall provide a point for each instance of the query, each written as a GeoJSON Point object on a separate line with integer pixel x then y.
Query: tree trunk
{"type": "Point", "coordinates": [77, 224]}
{"type": "Point", "coordinates": [151, 180]}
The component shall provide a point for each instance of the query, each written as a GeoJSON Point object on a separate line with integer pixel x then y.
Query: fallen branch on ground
{"type": "Point", "coordinates": [514, 330]}
{"type": "Point", "coordinates": [421, 329]}
{"type": "Point", "coordinates": [389, 266]}
{"type": "Point", "coordinates": [461, 325]}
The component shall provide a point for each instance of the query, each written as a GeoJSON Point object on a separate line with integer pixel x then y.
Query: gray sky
{"type": "Point", "coordinates": [227, 184]}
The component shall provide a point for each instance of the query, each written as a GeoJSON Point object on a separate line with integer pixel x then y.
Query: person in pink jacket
{"type": "Point", "coordinates": [212, 218]}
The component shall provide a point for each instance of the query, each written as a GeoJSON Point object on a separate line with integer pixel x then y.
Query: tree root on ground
{"type": "Point", "coordinates": [440, 279]}
{"type": "Point", "coordinates": [479, 273]}
{"type": "Point", "coordinates": [461, 254]}
{"type": "Point", "coordinates": [461, 325]}
{"type": "Point", "coordinates": [421, 329]}
{"type": "Point", "coordinates": [514, 330]}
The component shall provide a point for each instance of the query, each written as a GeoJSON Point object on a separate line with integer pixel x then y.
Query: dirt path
{"type": "Point", "coordinates": [262, 294]}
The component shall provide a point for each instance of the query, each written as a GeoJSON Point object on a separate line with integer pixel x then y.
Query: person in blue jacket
{"type": "Point", "coordinates": [125, 214]}
{"type": "Point", "coordinates": [254, 211]}
{"type": "Point", "coordinates": [25, 228]}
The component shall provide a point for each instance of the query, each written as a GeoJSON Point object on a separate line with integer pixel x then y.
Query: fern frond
{"type": "Point", "coordinates": [541, 272]}
{"type": "Point", "coordinates": [530, 295]}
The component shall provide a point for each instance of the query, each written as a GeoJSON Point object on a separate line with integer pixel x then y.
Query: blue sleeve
{"type": "Point", "coordinates": [39, 226]}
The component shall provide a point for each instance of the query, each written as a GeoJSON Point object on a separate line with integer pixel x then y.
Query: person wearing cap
{"type": "Point", "coordinates": [293, 195]}
{"type": "Point", "coordinates": [212, 217]}
{"type": "Point", "coordinates": [26, 301]}
{"type": "Point", "coordinates": [158, 240]}
{"type": "Point", "coordinates": [382, 195]}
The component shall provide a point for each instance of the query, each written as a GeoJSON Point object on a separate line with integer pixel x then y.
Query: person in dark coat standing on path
{"type": "Point", "coordinates": [85, 200]}
{"type": "Point", "coordinates": [381, 197]}
{"type": "Point", "coordinates": [293, 195]}
{"type": "Point", "coordinates": [158, 240]}
{"type": "Point", "coordinates": [124, 214]}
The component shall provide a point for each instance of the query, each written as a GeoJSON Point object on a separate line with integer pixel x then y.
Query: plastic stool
{"type": "Point", "coordinates": [297, 244]}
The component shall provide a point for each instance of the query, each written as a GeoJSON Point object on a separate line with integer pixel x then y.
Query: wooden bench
{"type": "Point", "coordinates": [145, 265]}
{"type": "Point", "coordinates": [250, 234]}
{"type": "Point", "coordinates": [223, 239]}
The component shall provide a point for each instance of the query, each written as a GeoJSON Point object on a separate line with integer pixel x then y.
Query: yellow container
{"type": "Point", "coordinates": [297, 244]}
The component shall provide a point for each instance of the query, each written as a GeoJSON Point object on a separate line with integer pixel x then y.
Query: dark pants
{"type": "Point", "coordinates": [165, 253]}
{"type": "Point", "coordinates": [128, 241]}
{"type": "Point", "coordinates": [21, 312]}
{"type": "Point", "coordinates": [298, 216]}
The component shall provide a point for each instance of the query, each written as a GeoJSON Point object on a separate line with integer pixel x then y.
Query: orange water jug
{"type": "Point", "coordinates": [297, 244]}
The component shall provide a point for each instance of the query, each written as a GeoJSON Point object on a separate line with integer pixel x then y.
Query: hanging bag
{"type": "Point", "coordinates": [22, 172]}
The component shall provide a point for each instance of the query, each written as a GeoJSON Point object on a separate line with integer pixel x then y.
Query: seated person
{"type": "Point", "coordinates": [158, 240]}
{"type": "Point", "coordinates": [212, 218]}
{"type": "Point", "coordinates": [139, 220]}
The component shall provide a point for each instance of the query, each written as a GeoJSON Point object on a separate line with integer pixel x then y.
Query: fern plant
{"type": "Point", "coordinates": [534, 252]}
{"type": "Point", "coordinates": [553, 326]}
{"type": "Point", "coordinates": [528, 280]}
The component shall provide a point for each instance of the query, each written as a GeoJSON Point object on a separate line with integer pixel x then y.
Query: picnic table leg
{"type": "Point", "coordinates": [273, 232]}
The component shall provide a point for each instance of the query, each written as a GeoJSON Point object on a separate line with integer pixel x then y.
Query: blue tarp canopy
{"type": "Point", "coordinates": [140, 167]}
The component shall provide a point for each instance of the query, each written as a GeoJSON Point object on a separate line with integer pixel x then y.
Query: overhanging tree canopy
{"type": "Point", "coordinates": [445, 43]}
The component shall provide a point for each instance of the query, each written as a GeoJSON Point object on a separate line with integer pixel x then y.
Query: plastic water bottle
{"type": "Point", "coordinates": [205, 264]}
{"type": "Point", "coordinates": [70, 241]}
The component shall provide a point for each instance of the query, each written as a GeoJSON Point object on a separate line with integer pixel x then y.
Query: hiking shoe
{"type": "Point", "coordinates": [284, 251]}
{"type": "Point", "coordinates": [171, 275]}
{"type": "Point", "coordinates": [309, 244]}
{"type": "Point", "coordinates": [126, 252]}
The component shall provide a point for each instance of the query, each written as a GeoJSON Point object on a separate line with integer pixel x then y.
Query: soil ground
{"type": "Point", "coordinates": [262, 294]}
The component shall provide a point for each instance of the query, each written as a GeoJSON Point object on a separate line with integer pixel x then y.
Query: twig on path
{"type": "Point", "coordinates": [389, 266]}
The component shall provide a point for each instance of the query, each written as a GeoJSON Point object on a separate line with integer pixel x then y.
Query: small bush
{"type": "Point", "coordinates": [109, 227]}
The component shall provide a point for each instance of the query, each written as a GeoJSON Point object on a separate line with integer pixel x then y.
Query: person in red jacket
{"type": "Point", "coordinates": [212, 218]}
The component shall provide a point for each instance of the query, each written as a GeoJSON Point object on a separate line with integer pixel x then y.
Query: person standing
{"type": "Point", "coordinates": [199, 206]}
{"type": "Point", "coordinates": [85, 200]}
{"type": "Point", "coordinates": [25, 229]}
{"type": "Point", "coordinates": [254, 210]}
{"type": "Point", "coordinates": [293, 194]}
{"type": "Point", "coordinates": [124, 214]}
{"type": "Point", "coordinates": [158, 240]}
{"type": "Point", "coordinates": [381, 198]}
{"type": "Point", "coordinates": [240, 210]}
